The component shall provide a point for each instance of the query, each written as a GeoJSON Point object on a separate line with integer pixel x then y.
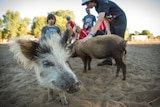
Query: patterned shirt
{"type": "Point", "coordinates": [89, 19]}
{"type": "Point", "coordinates": [83, 34]}
{"type": "Point", "coordinates": [47, 30]}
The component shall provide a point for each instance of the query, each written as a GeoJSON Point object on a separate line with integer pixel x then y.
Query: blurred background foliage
{"type": "Point", "coordinates": [12, 25]}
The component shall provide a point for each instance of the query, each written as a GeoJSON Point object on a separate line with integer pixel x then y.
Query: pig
{"type": "Point", "coordinates": [48, 58]}
{"type": "Point", "coordinates": [101, 47]}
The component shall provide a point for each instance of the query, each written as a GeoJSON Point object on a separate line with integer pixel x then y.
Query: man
{"type": "Point", "coordinates": [89, 18]}
{"type": "Point", "coordinates": [113, 16]}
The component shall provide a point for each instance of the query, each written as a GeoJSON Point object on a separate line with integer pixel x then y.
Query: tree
{"type": "Point", "coordinates": [158, 37]}
{"type": "Point", "coordinates": [137, 33]}
{"type": "Point", "coordinates": [12, 25]}
{"type": "Point", "coordinates": [1, 26]}
{"type": "Point", "coordinates": [127, 36]}
{"type": "Point", "coordinates": [23, 28]}
{"type": "Point", "coordinates": [1, 22]}
{"type": "Point", "coordinates": [38, 23]}
{"type": "Point", "coordinates": [148, 33]}
{"type": "Point", "coordinates": [61, 18]}
{"type": "Point", "coordinates": [64, 13]}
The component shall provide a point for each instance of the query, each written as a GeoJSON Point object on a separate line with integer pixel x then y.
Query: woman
{"type": "Point", "coordinates": [113, 16]}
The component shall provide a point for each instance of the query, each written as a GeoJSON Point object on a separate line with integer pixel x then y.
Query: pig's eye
{"type": "Point", "coordinates": [48, 64]}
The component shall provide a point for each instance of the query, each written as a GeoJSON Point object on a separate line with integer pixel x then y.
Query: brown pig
{"type": "Point", "coordinates": [101, 47]}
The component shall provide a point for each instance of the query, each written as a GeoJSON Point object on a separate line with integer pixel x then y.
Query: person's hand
{"type": "Point", "coordinates": [108, 32]}
{"type": "Point", "coordinates": [86, 38]}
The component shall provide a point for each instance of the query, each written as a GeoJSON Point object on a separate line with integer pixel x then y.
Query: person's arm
{"type": "Point", "coordinates": [98, 22]}
{"type": "Point", "coordinates": [96, 27]}
{"type": "Point", "coordinates": [107, 26]}
{"type": "Point", "coordinates": [59, 31]}
{"type": "Point", "coordinates": [43, 31]}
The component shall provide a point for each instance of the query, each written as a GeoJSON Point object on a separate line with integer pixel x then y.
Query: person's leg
{"type": "Point", "coordinates": [118, 28]}
{"type": "Point", "coordinates": [107, 61]}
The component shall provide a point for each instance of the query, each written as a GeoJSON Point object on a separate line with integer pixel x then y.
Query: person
{"type": "Point", "coordinates": [89, 18]}
{"type": "Point", "coordinates": [70, 25]}
{"type": "Point", "coordinates": [113, 16]}
{"type": "Point", "coordinates": [102, 27]}
{"type": "Point", "coordinates": [50, 28]}
{"type": "Point", "coordinates": [82, 33]}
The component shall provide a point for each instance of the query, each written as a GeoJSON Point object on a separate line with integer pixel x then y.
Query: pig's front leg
{"type": "Point", "coordinates": [50, 95]}
{"type": "Point", "coordinates": [63, 99]}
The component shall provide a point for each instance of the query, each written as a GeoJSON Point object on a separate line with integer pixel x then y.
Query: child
{"type": "Point", "coordinates": [82, 33]}
{"type": "Point", "coordinates": [70, 25]}
{"type": "Point", "coordinates": [50, 28]}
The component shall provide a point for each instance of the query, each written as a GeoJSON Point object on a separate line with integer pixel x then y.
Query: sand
{"type": "Point", "coordinates": [100, 87]}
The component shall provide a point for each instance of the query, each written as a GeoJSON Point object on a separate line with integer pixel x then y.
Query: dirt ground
{"type": "Point", "coordinates": [100, 87]}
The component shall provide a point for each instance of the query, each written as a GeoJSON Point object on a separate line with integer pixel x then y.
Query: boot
{"type": "Point", "coordinates": [107, 61]}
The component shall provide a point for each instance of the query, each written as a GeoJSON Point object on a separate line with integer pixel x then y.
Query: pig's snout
{"type": "Point", "coordinates": [74, 87]}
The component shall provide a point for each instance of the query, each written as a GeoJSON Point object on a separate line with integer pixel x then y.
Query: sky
{"type": "Point", "coordinates": [141, 14]}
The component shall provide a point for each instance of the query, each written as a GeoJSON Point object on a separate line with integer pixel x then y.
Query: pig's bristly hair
{"type": "Point", "coordinates": [15, 48]}
{"type": "Point", "coordinates": [50, 44]}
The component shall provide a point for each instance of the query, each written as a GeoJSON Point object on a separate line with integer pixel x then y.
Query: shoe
{"type": "Point", "coordinates": [105, 62]}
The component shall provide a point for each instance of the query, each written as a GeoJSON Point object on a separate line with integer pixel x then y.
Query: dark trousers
{"type": "Point", "coordinates": [99, 32]}
{"type": "Point", "coordinates": [118, 27]}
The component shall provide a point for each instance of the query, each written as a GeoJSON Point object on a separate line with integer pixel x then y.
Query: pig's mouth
{"type": "Point", "coordinates": [74, 87]}
{"type": "Point", "coordinates": [70, 87]}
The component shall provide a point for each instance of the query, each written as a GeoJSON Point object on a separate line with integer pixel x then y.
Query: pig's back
{"type": "Point", "coordinates": [102, 46]}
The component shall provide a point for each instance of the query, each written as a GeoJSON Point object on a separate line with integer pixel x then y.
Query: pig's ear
{"type": "Point", "coordinates": [28, 48]}
{"type": "Point", "coordinates": [24, 52]}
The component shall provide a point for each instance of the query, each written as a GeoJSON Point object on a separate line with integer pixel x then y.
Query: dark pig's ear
{"type": "Point", "coordinates": [24, 51]}
{"type": "Point", "coordinates": [28, 48]}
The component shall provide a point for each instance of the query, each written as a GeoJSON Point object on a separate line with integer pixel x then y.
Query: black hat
{"type": "Point", "coordinates": [51, 16]}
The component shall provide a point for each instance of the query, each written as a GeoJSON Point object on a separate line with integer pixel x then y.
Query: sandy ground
{"type": "Point", "coordinates": [19, 87]}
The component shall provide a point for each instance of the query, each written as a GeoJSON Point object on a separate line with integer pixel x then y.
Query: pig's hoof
{"type": "Point", "coordinates": [64, 102]}
{"type": "Point", "coordinates": [124, 79]}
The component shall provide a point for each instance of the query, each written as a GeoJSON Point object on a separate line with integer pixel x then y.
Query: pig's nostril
{"type": "Point", "coordinates": [74, 87]}
{"type": "Point", "coordinates": [77, 83]}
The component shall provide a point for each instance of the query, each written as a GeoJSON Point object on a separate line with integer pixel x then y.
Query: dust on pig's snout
{"type": "Point", "coordinates": [68, 82]}
{"type": "Point", "coordinates": [74, 87]}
